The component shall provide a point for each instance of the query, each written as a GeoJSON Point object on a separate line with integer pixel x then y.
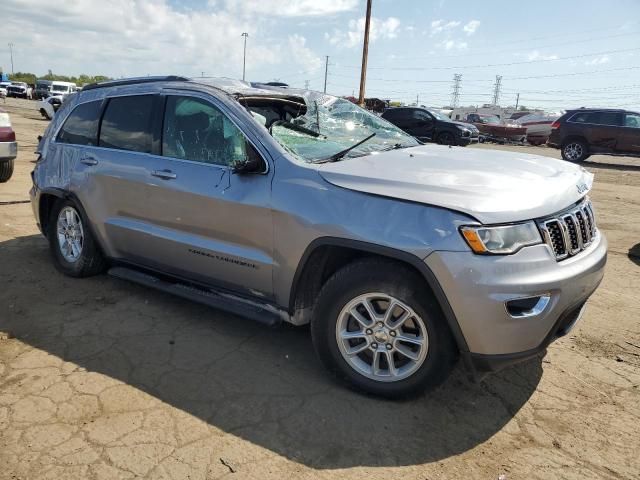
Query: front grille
{"type": "Point", "coordinates": [571, 231]}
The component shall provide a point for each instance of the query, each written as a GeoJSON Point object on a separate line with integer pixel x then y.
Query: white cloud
{"type": "Point", "coordinates": [471, 27]}
{"type": "Point", "coordinates": [600, 60]}
{"type": "Point", "coordinates": [291, 8]}
{"type": "Point", "coordinates": [386, 29]}
{"type": "Point", "coordinates": [439, 26]}
{"type": "Point", "coordinates": [126, 38]}
{"type": "Point", "coordinates": [536, 55]}
{"type": "Point", "coordinates": [453, 44]}
{"type": "Point", "coordinates": [302, 55]}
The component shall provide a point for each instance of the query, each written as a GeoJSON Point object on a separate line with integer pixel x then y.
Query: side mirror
{"type": "Point", "coordinates": [252, 163]}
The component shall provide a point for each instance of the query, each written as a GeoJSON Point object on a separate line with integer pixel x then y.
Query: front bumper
{"type": "Point", "coordinates": [477, 288]}
{"type": "Point", "coordinates": [8, 150]}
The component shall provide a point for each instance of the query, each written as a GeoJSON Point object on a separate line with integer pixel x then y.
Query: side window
{"type": "Point", "coordinates": [632, 120]}
{"type": "Point", "coordinates": [126, 124]}
{"type": "Point", "coordinates": [196, 130]}
{"type": "Point", "coordinates": [81, 127]}
{"type": "Point", "coordinates": [609, 118]}
{"type": "Point", "coordinates": [583, 118]}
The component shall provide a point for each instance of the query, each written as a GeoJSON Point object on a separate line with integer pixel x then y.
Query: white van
{"type": "Point", "coordinates": [62, 88]}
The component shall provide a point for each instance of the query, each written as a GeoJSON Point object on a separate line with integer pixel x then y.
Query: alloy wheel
{"type": "Point", "coordinates": [573, 151]}
{"type": "Point", "coordinates": [381, 337]}
{"type": "Point", "coordinates": [70, 234]}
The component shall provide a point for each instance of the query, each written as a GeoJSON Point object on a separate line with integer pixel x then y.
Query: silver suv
{"type": "Point", "coordinates": [297, 206]}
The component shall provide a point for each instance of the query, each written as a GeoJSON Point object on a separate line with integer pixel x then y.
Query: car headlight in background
{"type": "Point", "coordinates": [501, 239]}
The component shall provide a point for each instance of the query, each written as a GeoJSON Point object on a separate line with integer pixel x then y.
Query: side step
{"type": "Point", "coordinates": [260, 312]}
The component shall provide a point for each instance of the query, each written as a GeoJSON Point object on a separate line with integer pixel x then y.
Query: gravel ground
{"type": "Point", "coordinates": [103, 379]}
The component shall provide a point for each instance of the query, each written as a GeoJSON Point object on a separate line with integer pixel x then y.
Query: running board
{"type": "Point", "coordinates": [260, 312]}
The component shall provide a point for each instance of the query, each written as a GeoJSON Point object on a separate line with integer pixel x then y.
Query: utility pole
{"type": "Point", "coordinates": [517, 101]}
{"type": "Point", "coordinates": [365, 54]}
{"type": "Point", "coordinates": [455, 95]}
{"type": "Point", "coordinates": [417, 100]}
{"type": "Point", "coordinates": [326, 69]}
{"type": "Point", "coordinates": [11, 53]}
{"type": "Point", "coordinates": [202, 74]}
{"type": "Point", "coordinates": [306, 84]}
{"type": "Point", "coordinates": [244, 57]}
{"type": "Point", "coordinates": [496, 90]}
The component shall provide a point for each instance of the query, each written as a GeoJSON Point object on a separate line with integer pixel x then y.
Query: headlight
{"type": "Point", "coordinates": [464, 131]}
{"type": "Point", "coordinates": [502, 239]}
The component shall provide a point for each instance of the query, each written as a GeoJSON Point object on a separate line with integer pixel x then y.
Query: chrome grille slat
{"type": "Point", "coordinates": [569, 232]}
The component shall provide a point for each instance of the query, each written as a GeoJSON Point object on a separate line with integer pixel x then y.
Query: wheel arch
{"type": "Point", "coordinates": [574, 137]}
{"type": "Point", "coordinates": [326, 255]}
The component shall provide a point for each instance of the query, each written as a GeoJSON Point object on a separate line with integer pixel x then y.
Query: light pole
{"type": "Point", "coordinates": [244, 58]}
{"type": "Point", "coordinates": [11, 53]}
{"type": "Point", "coordinates": [365, 54]}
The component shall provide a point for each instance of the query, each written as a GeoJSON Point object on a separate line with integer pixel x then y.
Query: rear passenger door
{"type": "Point", "coordinates": [600, 129]}
{"type": "Point", "coordinates": [630, 141]}
{"type": "Point", "coordinates": [113, 181]}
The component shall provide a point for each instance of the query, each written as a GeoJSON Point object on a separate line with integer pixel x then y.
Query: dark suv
{"type": "Point", "coordinates": [583, 132]}
{"type": "Point", "coordinates": [430, 126]}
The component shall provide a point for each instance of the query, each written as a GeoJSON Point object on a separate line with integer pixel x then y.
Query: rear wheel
{"type": "Point", "coordinates": [575, 150]}
{"type": "Point", "coordinates": [6, 170]}
{"type": "Point", "coordinates": [74, 250]}
{"type": "Point", "coordinates": [376, 327]}
{"type": "Point", "coordinates": [446, 138]}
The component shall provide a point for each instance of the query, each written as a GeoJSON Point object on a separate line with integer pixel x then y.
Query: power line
{"type": "Point", "coordinates": [502, 64]}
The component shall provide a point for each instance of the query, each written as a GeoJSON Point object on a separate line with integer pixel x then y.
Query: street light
{"type": "Point", "coordinates": [244, 58]}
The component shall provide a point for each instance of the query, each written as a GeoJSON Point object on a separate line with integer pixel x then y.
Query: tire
{"type": "Point", "coordinates": [575, 150]}
{"type": "Point", "coordinates": [85, 259]}
{"type": "Point", "coordinates": [380, 281]}
{"type": "Point", "coordinates": [6, 170]}
{"type": "Point", "coordinates": [446, 138]}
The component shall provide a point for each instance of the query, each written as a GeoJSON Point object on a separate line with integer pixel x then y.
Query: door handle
{"type": "Point", "coordinates": [89, 161]}
{"type": "Point", "coordinates": [164, 174]}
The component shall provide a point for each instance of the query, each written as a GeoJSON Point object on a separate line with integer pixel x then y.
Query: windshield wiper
{"type": "Point", "coordinates": [337, 156]}
{"type": "Point", "coordinates": [293, 126]}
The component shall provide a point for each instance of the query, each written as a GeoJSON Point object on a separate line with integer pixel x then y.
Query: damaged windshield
{"type": "Point", "coordinates": [327, 128]}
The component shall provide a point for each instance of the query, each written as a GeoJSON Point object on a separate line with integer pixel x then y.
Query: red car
{"type": "Point", "coordinates": [8, 147]}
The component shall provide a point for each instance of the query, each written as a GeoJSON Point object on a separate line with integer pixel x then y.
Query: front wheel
{"type": "Point", "coordinates": [575, 151]}
{"type": "Point", "coordinates": [377, 327]}
{"type": "Point", "coordinates": [74, 250]}
{"type": "Point", "coordinates": [446, 138]}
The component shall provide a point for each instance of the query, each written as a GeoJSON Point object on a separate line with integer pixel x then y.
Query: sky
{"type": "Point", "coordinates": [555, 54]}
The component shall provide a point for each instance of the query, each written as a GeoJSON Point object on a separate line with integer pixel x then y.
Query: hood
{"type": "Point", "coordinates": [490, 185]}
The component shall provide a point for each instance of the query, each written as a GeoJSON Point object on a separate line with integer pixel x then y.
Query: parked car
{"type": "Point", "coordinates": [287, 205]}
{"type": "Point", "coordinates": [8, 147]}
{"type": "Point", "coordinates": [49, 106]}
{"type": "Point", "coordinates": [587, 131]}
{"type": "Point", "coordinates": [493, 129]}
{"type": "Point", "coordinates": [42, 90]}
{"type": "Point", "coordinates": [62, 88]}
{"type": "Point", "coordinates": [431, 126]}
{"type": "Point", "coordinates": [20, 90]}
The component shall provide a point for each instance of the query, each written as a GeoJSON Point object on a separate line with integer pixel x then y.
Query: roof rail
{"type": "Point", "coordinates": [134, 81]}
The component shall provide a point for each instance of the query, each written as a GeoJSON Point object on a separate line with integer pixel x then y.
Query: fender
{"type": "Point", "coordinates": [396, 254]}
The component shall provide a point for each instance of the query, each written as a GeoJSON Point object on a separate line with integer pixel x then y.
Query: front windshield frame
{"type": "Point", "coordinates": [340, 124]}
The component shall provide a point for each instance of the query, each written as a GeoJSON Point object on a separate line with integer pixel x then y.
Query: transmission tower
{"type": "Point", "coordinates": [455, 95]}
{"type": "Point", "coordinates": [496, 89]}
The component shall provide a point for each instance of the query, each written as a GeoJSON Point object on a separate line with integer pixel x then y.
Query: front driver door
{"type": "Point", "coordinates": [422, 125]}
{"type": "Point", "coordinates": [210, 224]}
{"type": "Point", "coordinates": [630, 138]}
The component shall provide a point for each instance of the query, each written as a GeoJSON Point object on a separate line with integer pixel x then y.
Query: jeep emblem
{"type": "Point", "coordinates": [582, 187]}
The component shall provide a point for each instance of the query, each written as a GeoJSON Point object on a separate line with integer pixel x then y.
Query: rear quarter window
{"type": "Point", "coordinates": [81, 126]}
{"type": "Point", "coordinates": [126, 124]}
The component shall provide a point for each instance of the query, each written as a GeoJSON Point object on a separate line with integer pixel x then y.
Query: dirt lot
{"type": "Point", "coordinates": [103, 379]}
